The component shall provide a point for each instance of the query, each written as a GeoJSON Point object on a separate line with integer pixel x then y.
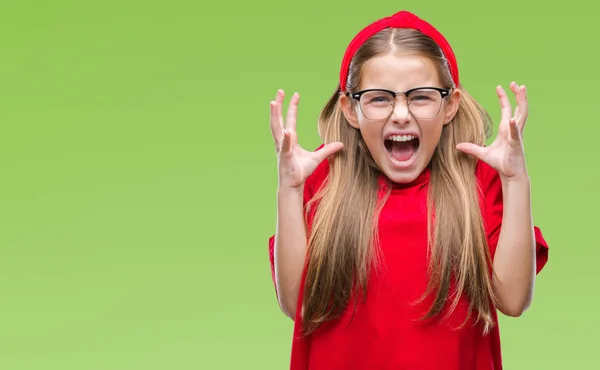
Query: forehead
{"type": "Point", "coordinates": [398, 72]}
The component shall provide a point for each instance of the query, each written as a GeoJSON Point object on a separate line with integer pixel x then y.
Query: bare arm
{"type": "Point", "coordinates": [294, 166]}
{"type": "Point", "coordinates": [514, 260]}
{"type": "Point", "coordinates": [290, 248]}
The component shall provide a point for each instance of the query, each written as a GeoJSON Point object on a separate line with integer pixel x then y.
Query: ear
{"type": "Point", "coordinates": [349, 110]}
{"type": "Point", "coordinates": [453, 102]}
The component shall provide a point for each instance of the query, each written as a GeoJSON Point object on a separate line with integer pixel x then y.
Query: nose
{"type": "Point", "coordinates": [400, 112]}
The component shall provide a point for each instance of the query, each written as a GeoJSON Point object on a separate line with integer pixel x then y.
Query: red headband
{"type": "Point", "coordinates": [402, 19]}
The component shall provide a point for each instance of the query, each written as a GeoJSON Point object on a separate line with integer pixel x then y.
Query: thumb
{"type": "Point", "coordinates": [286, 144]}
{"type": "Point", "coordinates": [471, 149]}
{"type": "Point", "coordinates": [327, 150]}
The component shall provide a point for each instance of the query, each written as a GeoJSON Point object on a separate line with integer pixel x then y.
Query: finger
{"type": "Point", "coordinates": [514, 88]}
{"type": "Point", "coordinates": [279, 100]}
{"type": "Point", "coordinates": [327, 150]}
{"type": "Point", "coordinates": [516, 91]}
{"type": "Point", "coordinates": [276, 129]}
{"type": "Point", "coordinates": [505, 107]}
{"type": "Point", "coordinates": [515, 133]}
{"type": "Point", "coordinates": [523, 105]}
{"type": "Point", "coordinates": [471, 149]}
{"type": "Point", "coordinates": [292, 113]}
{"type": "Point", "coordinates": [286, 144]}
{"type": "Point", "coordinates": [293, 138]}
{"type": "Point", "coordinates": [521, 97]}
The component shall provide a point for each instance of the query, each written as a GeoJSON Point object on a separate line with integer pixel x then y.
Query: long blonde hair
{"type": "Point", "coordinates": [343, 238]}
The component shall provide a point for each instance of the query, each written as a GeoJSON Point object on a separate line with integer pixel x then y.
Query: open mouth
{"type": "Point", "coordinates": [402, 148]}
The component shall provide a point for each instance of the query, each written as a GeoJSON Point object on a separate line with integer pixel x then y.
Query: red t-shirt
{"type": "Point", "coordinates": [383, 333]}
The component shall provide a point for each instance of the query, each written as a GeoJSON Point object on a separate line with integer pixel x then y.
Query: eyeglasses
{"type": "Point", "coordinates": [423, 102]}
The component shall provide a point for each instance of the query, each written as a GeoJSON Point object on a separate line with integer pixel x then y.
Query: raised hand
{"type": "Point", "coordinates": [295, 163]}
{"type": "Point", "coordinates": [506, 153]}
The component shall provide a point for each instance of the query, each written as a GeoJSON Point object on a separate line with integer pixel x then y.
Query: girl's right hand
{"type": "Point", "coordinates": [295, 163]}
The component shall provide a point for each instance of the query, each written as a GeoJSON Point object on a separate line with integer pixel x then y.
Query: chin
{"type": "Point", "coordinates": [402, 177]}
{"type": "Point", "coordinates": [401, 172]}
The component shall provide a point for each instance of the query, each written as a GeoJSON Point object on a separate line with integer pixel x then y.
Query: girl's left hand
{"type": "Point", "coordinates": [506, 153]}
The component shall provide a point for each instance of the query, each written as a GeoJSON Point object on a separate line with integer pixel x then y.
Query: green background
{"type": "Point", "coordinates": [139, 176]}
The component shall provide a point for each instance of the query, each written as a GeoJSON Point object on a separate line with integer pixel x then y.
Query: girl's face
{"type": "Point", "coordinates": [401, 140]}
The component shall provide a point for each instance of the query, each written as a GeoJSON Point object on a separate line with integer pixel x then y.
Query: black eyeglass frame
{"type": "Point", "coordinates": [357, 95]}
{"type": "Point", "coordinates": [443, 92]}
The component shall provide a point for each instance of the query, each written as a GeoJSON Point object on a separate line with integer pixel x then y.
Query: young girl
{"type": "Point", "coordinates": [398, 239]}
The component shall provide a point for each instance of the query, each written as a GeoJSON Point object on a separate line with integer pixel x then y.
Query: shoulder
{"type": "Point", "coordinates": [490, 193]}
{"type": "Point", "coordinates": [484, 172]}
{"type": "Point", "coordinates": [488, 179]}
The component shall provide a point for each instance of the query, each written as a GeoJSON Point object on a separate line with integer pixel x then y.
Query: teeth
{"type": "Point", "coordinates": [401, 137]}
